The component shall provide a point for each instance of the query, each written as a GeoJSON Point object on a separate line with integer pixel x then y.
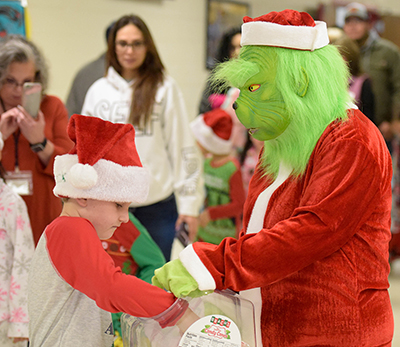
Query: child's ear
{"type": "Point", "coordinates": [81, 202]}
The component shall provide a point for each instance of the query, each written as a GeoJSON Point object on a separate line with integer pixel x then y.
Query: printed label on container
{"type": "Point", "coordinates": [212, 331]}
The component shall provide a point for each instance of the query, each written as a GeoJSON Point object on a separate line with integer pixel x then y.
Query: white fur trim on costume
{"type": "Point", "coordinates": [206, 137]}
{"type": "Point", "coordinates": [196, 268]}
{"type": "Point", "coordinates": [1, 141]}
{"type": "Point", "coordinates": [114, 182]}
{"type": "Point", "coordinates": [256, 222]}
{"type": "Point", "coordinates": [287, 36]}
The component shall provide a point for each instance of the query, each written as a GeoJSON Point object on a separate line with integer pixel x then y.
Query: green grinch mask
{"type": "Point", "coordinates": [287, 99]}
{"type": "Point", "coordinates": [260, 106]}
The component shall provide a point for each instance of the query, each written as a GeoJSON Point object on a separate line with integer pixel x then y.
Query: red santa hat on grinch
{"type": "Point", "coordinates": [102, 165]}
{"type": "Point", "coordinates": [286, 29]}
{"type": "Point", "coordinates": [213, 131]}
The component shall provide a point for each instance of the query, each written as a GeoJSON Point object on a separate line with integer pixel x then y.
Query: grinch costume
{"type": "Point", "coordinates": [313, 252]}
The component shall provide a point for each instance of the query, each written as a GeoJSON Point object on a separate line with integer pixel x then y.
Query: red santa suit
{"type": "Point", "coordinates": [316, 246]}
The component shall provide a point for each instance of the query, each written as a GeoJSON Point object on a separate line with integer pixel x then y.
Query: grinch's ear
{"type": "Point", "coordinates": [302, 84]}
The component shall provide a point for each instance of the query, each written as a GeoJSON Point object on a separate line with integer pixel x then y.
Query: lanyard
{"type": "Point", "coordinates": [16, 141]}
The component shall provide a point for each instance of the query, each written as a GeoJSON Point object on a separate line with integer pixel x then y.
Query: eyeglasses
{"type": "Point", "coordinates": [136, 45]}
{"type": "Point", "coordinates": [13, 83]}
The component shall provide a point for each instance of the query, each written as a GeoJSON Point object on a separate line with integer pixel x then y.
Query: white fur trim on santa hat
{"type": "Point", "coordinates": [304, 38]}
{"type": "Point", "coordinates": [206, 137]}
{"type": "Point", "coordinates": [196, 268]}
{"type": "Point", "coordinates": [105, 180]}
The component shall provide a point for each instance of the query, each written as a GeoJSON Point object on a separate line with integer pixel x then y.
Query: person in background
{"type": "Point", "coordinates": [16, 251]}
{"type": "Point", "coordinates": [248, 159]}
{"type": "Point", "coordinates": [380, 59]}
{"type": "Point", "coordinates": [84, 78]}
{"type": "Point", "coordinates": [229, 48]}
{"type": "Point", "coordinates": [222, 213]}
{"type": "Point", "coordinates": [137, 90]}
{"type": "Point", "coordinates": [134, 251]}
{"type": "Point", "coordinates": [30, 144]}
{"type": "Point", "coordinates": [360, 85]}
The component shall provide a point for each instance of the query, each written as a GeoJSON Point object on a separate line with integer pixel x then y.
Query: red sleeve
{"type": "Point", "coordinates": [346, 184]}
{"type": "Point", "coordinates": [79, 258]}
{"type": "Point", "coordinates": [237, 197]}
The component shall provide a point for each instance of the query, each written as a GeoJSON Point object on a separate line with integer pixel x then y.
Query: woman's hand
{"type": "Point", "coordinates": [31, 128]}
{"type": "Point", "coordinates": [9, 122]}
{"type": "Point", "coordinates": [192, 223]}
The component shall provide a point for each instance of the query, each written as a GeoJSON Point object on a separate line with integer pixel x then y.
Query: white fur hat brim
{"type": "Point", "coordinates": [105, 180]}
{"type": "Point", "coordinates": [208, 139]}
{"type": "Point", "coordinates": [286, 36]}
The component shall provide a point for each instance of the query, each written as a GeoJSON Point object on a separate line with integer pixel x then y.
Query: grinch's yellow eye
{"type": "Point", "coordinates": [254, 87]}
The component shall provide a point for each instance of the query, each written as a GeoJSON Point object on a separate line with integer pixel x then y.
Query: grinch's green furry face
{"type": "Point", "coordinates": [260, 106]}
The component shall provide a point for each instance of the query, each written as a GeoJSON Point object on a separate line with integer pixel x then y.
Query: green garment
{"type": "Point", "coordinates": [147, 256]}
{"type": "Point", "coordinates": [218, 193]}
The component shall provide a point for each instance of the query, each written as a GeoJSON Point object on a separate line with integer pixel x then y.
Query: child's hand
{"type": "Point", "coordinates": [204, 218]}
{"type": "Point", "coordinates": [19, 339]}
{"type": "Point", "coordinates": [188, 318]}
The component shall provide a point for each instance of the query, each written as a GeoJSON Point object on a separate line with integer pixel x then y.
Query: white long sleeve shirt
{"type": "Point", "coordinates": [166, 146]}
{"type": "Point", "coordinates": [16, 251]}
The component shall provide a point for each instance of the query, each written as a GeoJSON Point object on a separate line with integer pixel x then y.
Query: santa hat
{"type": "Point", "coordinates": [213, 130]}
{"type": "Point", "coordinates": [286, 29]}
{"type": "Point", "coordinates": [102, 165]}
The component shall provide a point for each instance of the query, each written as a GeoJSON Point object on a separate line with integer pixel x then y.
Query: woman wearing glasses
{"type": "Point", "coordinates": [30, 143]}
{"type": "Point", "coordinates": [136, 90]}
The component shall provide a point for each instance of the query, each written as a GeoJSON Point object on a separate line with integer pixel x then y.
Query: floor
{"type": "Point", "coordinates": [394, 291]}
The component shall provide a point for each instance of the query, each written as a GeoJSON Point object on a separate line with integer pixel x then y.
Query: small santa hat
{"type": "Point", "coordinates": [102, 165]}
{"type": "Point", "coordinates": [213, 131]}
{"type": "Point", "coordinates": [286, 29]}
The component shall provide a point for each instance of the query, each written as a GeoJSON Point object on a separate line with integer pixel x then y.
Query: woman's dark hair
{"type": "Point", "coordinates": [225, 47]}
{"type": "Point", "coordinates": [150, 74]}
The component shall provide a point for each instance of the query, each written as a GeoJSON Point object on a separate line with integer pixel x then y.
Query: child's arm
{"type": "Point", "coordinates": [79, 259]}
{"type": "Point", "coordinates": [19, 230]}
{"type": "Point", "coordinates": [145, 252]}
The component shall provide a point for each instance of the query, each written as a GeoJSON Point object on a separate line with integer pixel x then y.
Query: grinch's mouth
{"type": "Point", "coordinates": [252, 131]}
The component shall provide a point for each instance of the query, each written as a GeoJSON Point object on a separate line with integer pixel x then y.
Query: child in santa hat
{"type": "Point", "coordinates": [222, 214]}
{"type": "Point", "coordinates": [73, 282]}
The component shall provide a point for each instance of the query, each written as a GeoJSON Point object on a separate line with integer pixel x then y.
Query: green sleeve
{"type": "Point", "coordinates": [145, 252]}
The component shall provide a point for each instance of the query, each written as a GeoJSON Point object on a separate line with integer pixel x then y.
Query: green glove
{"type": "Point", "coordinates": [174, 277]}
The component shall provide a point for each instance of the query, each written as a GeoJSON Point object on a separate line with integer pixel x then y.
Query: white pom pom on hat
{"type": "Point", "coordinates": [83, 176]}
{"type": "Point", "coordinates": [102, 165]}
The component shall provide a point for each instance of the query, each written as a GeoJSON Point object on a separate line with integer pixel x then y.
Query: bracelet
{"type": "Point", "coordinates": [38, 147]}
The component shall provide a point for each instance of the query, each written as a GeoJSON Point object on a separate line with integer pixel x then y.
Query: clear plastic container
{"type": "Point", "coordinates": [222, 319]}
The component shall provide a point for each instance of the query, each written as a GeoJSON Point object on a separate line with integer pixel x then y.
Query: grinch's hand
{"type": "Point", "coordinates": [174, 277]}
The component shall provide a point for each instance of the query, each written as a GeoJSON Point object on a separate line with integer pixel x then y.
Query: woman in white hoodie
{"type": "Point", "coordinates": [136, 90]}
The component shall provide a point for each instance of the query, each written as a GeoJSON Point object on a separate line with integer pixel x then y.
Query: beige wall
{"type": "Point", "coordinates": [71, 33]}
